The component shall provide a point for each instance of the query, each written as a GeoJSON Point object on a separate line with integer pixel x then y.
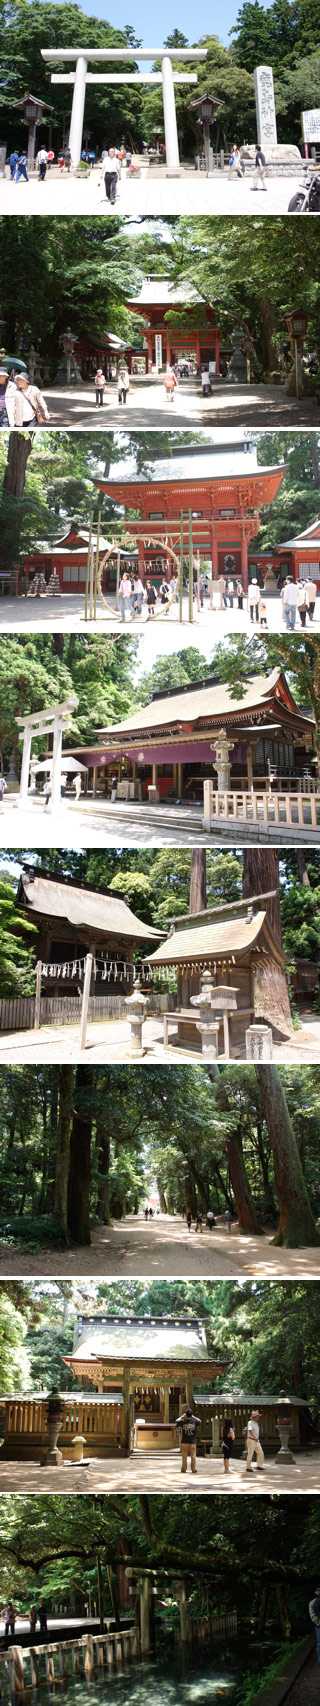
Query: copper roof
{"type": "Point", "coordinates": [207, 702]}
{"type": "Point", "coordinates": [220, 940]}
{"type": "Point", "coordinates": [142, 1339]}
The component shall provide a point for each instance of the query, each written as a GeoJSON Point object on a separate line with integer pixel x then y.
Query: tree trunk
{"type": "Point", "coordinates": [66, 1084]}
{"type": "Point", "coordinates": [301, 858]}
{"type": "Point", "coordinates": [19, 450]}
{"type": "Point", "coordinates": [260, 874]}
{"type": "Point", "coordinates": [198, 880]}
{"type": "Point", "coordinates": [103, 1148]}
{"type": "Point", "coordinates": [297, 1228]}
{"type": "Point", "coordinates": [245, 1208]}
{"type": "Point", "coordinates": [80, 1158]}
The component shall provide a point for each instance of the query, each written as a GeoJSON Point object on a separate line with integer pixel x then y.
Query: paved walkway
{"type": "Point", "coordinates": [229, 405]}
{"type": "Point", "coordinates": [160, 1472]}
{"type": "Point", "coordinates": [67, 612]}
{"type": "Point", "coordinates": [109, 1040]}
{"type": "Point", "coordinates": [134, 825]}
{"type": "Point", "coordinates": [306, 1691]}
{"type": "Point", "coordinates": [192, 193]}
{"type": "Point", "coordinates": [163, 1246]}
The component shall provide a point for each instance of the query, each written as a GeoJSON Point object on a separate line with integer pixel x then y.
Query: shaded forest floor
{"type": "Point", "coordinates": [160, 1472]}
{"type": "Point", "coordinates": [162, 1248]}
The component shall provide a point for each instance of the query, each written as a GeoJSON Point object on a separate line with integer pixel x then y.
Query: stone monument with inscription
{"type": "Point", "coordinates": [278, 155]}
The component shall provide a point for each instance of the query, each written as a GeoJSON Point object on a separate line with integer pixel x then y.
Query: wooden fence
{"type": "Point", "coordinates": [288, 811]}
{"type": "Point", "coordinates": [24, 1668]}
{"type": "Point", "coordinates": [17, 1013]}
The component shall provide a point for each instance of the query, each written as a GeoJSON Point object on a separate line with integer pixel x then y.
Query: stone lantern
{"type": "Point", "coordinates": [54, 1419]}
{"type": "Point", "coordinates": [222, 748]}
{"type": "Point", "coordinates": [136, 1005]}
{"type": "Point", "coordinates": [283, 1426]}
{"type": "Point", "coordinates": [32, 111]}
{"type": "Point", "coordinates": [206, 1024]}
{"type": "Point", "coordinates": [224, 1000]}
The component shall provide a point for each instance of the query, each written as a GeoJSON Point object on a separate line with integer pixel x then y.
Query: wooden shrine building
{"type": "Point", "coordinates": [235, 942]}
{"type": "Point", "coordinates": [152, 1363]}
{"type": "Point", "coordinates": [72, 922]}
{"type": "Point", "coordinates": [173, 742]}
{"type": "Point", "coordinates": [67, 557]}
{"type": "Point", "coordinates": [222, 488]}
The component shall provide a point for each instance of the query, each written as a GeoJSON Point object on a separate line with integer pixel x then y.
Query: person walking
{"type": "Point", "coordinates": [187, 1425]}
{"type": "Point", "coordinates": [100, 385]}
{"type": "Point", "coordinates": [311, 590]}
{"type": "Point", "coordinates": [228, 1439]}
{"type": "Point", "coordinates": [254, 1447]}
{"type": "Point", "coordinates": [33, 1619]}
{"type": "Point", "coordinates": [302, 603]}
{"type": "Point", "coordinates": [170, 384]}
{"type": "Point", "coordinates": [43, 1620]}
{"type": "Point", "coordinates": [21, 169]}
{"type": "Point", "coordinates": [289, 603]}
{"type": "Point", "coordinates": [138, 595]}
{"type": "Point", "coordinates": [314, 1614]}
{"type": "Point", "coordinates": [263, 619]}
{"type": "Point", "coordinates": [239, 591]}
{"type": "Point", "coordinates": [111, 173]}
{"type": "Point", "coordinates": [34, 407]}
{"type": "Point", "coordinates": [259, 170]}
{"type": "Point", "coordinates": [42, 162]}
{"type": "Point", "coordinates": [124, 596]}
{"type": "Point", "coordinates": [253, 599]}
{"type": "Point", "coordinates": [151, 597]}
{"type": "Point", "coordinates": [11, 410]}
{"type": "Point", "coordinates": [3, 790]}
{"type": "Point", "coordinates": [13, 158]}
{"type": "Point", "coordinates": [189, 1219]}
{"type": "Point", "coordinates": [10, 1615]}
{"type": "Point", "coordinates": [123, 384]}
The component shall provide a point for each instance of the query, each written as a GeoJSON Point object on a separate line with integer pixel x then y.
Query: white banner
{"type": "Point", "coordinates": [311, 125]}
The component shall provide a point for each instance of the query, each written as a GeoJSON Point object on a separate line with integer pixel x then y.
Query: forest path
{"type": "Point", "coordinates": [163, 1248]}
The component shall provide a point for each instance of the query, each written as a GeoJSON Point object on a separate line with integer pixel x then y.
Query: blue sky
{"type": "Point", "coordinates": [174, 14]}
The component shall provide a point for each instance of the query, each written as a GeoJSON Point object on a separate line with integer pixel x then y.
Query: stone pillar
{"type": "Point", "coordinates": [77, 115]}
{"type": "Point", "coordinates": [25, 766]}
{"type": "Point", "coordinates": [56, 765]}
{"type": "Point", "coordinates": [284, 1455]}
{"type": "Point", "coordinates": [265, 107]}
{"type": "Point", "coordinates": [170, 118]}
{"type": "Point", "coordinates": [259, 1045]}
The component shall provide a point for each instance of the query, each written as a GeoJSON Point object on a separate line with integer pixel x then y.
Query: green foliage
{"type": "Point", "coordinates": [16, 940]}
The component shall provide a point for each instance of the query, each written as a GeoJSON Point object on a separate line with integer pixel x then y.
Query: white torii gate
{"type": "Point", "coordinates": [39, 723]}
{"type": "Point", "coordinates": [81, 76]}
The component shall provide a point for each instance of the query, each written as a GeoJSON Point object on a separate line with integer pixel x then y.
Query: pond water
{"type": "Point", "coordinates": [166, 1682]}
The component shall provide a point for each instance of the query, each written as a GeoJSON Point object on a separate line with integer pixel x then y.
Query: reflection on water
{"type": "Point", "coordinates": [164, 1683]}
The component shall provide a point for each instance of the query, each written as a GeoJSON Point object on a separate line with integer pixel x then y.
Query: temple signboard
{"type": "Point", "coordinates": [311, 125]}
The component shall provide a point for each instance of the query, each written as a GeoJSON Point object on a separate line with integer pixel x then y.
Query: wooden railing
{"type": "Point", "coordinates": [283, 810]}
{"type": "Point", "coordinates": [23, 1668]}
{"type": "Point", "coordinates": [25, 1425]}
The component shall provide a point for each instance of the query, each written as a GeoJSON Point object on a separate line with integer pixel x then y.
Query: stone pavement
{"type": "Point", "coordinates": [160, 1472]}
{"type": "Point", "coordinates": [109, 1040]}
{"type": "Point", "coordinates": [191, 193]}
{"type": "Point", "coordinates": [67, 613]}
{"type": "Point", "coordinates": [229, 405]}
{"type": "Point", "coordinates": [306, 1690]}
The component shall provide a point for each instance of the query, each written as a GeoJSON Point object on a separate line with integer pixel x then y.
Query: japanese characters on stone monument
{"type": "Point", "coordinates": [265, 107]}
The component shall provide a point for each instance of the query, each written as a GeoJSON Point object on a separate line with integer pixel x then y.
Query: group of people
{"type": "Point", "coordinates": [187, 1425]}
{"type": "Point", "coordinates": [22, 404]}
{"type": "Point", "coordinates": [123, 384]}
{"type": "Point", "coordinates": [37, 1616]}
{"type": "Point", "coordinates": [298, 596]}
{"type": "Point", "coordinates": [237, 165]}
{"type": "Point", "coordinates": [136, 595]}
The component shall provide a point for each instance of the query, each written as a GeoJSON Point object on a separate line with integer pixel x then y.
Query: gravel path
{"type": "Point", "coordinates": [160, 1248]}
{"type": "Point", "coordinates": [160, 1472]}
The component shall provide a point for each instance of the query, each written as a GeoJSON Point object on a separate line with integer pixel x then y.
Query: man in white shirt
{"type": "Point", "coordinates": [254, 1449]}
{"type": "Point", "coordinates": [289, 602]}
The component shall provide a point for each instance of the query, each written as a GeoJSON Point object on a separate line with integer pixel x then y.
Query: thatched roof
{"type": "Point", "coordinates": [105, 914]}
